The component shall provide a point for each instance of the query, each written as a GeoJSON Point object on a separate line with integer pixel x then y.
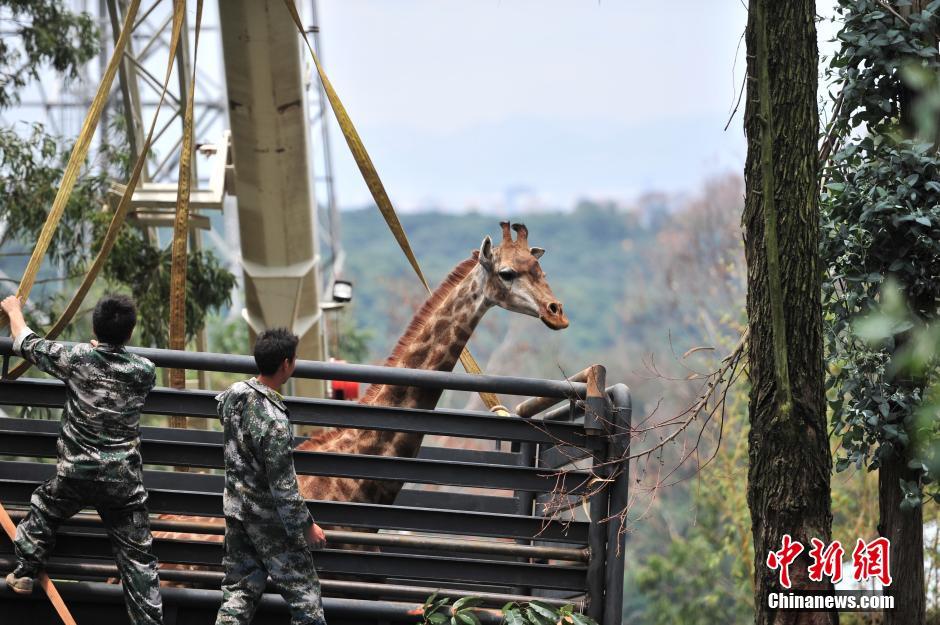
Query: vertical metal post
{"type": "Point", "coordinates": [526, 459]}
{"type": "Point", "coordinates": [619, 447]}
{"type": "Point", "coordinates": [596, 420]}
{"type": "Point", "coordinates": [525, 499]}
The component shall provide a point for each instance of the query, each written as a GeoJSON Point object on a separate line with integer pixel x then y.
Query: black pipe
{"type": "Point", "coordinates": [360, 538]}
{"type": "Point", "coordinates": [199, 495]}
{"type": "Point", "coordinates": [525, 499]}
{"type": "Point", "coordinates": [71, 569]}
{"type": "Point", "coordinates": [619, 498]}
{"type": "Point", "coordinates": [323, 412]}
{"type": "Point", "coordinates": [313, 369]}
{"type": "Point", "coordinates": [596, 421]}
{"type": "Point", "coordinates": [334, 607]}
{"type": "Point", "coordinates": [361, 466]}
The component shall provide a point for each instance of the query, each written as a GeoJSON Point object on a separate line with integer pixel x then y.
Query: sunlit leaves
{"type": "Point", "coordinates": [881, 237]}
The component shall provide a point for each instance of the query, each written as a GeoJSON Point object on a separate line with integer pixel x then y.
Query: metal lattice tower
{"type": "Point", "coordinates": [270, 234]}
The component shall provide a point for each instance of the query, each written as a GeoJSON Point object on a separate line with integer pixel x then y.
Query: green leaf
{"type": "Point", "coordinates": [467, 602]}
{"type": "Point", "coordinates": [582, 619]}
{"type": "Point", "coordinates": [514, 617]}
{"type": "Point", "coordinates": [537, 619]}
{"type": "Point", "coordinates": [545, 610]}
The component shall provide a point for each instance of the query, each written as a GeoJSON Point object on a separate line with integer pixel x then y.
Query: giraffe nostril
{"type": "Point", "coordinates": [554, 308]}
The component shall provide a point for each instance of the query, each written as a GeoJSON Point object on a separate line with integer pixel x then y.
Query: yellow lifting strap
{"type": "Point", "coordinates": [44, 582]}
{"type": "Point", "coordinates": [181, 224]}
{"type": "Point", "coordinates": [76, 160]}
{"type": "Point", "coordinates": [377, 189]}
{"type": "Point", "coordinates": [120, 214]}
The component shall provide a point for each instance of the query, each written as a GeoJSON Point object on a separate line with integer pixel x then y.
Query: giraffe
{"type": "Point", "coordinates": [508, 276]}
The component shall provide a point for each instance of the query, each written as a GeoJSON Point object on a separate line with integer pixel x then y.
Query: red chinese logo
{"type": "Point", "coordinates": [826, 561]}
{"type": "Point", "coordinates": [872, 560]}
{"type": "Point", "coordinates": [783, 558]}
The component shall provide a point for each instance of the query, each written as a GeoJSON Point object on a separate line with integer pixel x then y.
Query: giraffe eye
{"type": "Point", "coordinates": [507, 274]}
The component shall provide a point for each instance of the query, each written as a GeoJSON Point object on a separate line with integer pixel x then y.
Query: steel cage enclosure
{"type": "Point", "coordinates": [595, 585]}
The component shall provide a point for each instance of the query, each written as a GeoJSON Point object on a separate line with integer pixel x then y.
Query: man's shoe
{"type": "Point", "coordinates": [20, 585]}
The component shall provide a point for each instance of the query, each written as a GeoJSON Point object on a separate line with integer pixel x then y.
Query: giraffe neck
{"type": "Point", "coordinates": [436, 345]}
{"type": "Point", "coordinates": [433, 341]}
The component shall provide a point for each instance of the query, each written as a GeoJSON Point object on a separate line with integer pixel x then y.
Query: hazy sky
{"type": "Point", "coordinates": [505, 105]}
{"type": "Point", "coordinates": [478, 103]}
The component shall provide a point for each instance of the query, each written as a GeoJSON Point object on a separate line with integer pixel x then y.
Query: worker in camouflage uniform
{"type": "Point", "coordinates": [268, 528]}
{"type": "Point", "coordinates": [99, 461]}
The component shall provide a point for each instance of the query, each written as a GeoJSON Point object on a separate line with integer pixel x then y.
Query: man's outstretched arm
{"type": "Point", "coordinates": [51, 357]}
{"type": "Point", "coordinates": [13, 307]}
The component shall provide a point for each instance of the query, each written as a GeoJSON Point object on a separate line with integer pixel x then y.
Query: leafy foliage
{"type": "Point", "coordinates": [438, 611]}
{"type": "Point", "coordinates": [47, 33]}
{"type": "Point", "coordinates": [30, 170]}
{"type": "Point", "coordinates": [538, 613]}
{"type": "Point", "coordinates": [32, 165]}
{"type": "Point", "coordinates": [351, 342]}
{"type": "Point", "coordinates": [145, 270]}
{"type": "Point", "coordinates": [881, 219]}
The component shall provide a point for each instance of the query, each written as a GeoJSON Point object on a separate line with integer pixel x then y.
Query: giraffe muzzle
{"type": "Point", "coordinates": [553, 315]}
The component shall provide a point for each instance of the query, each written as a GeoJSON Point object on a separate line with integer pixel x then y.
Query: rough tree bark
{"type": "Point", "coordinates": [789, 456]}
{"type": "Point", "coordinates": [905, 528]}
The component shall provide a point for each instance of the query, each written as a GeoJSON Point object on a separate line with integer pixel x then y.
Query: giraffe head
{"type": "Point", "coordinates": [515, 281]}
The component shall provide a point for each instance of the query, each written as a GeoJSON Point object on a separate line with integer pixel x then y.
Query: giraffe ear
{"type": "Point", "coordinates": [486, 253]}
{"type": "Point", "coordinates": [537, 252]}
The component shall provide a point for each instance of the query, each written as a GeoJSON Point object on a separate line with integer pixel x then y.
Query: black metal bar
{"type": "Point", "coordinates": [534, 405]}
{"type": "Point", "coordinates": [200, 495]}
{"type": "Point", "coordinates": [570, 412]}
{"type": "Point", "coordinates": [335, 608]}
{"type": "Point", "coordinates": [619, 497]}
{"type": "Point", "coordinates": [347, 562]}
{"type": "Point", "coordinates": [413, 498]}
{"type": "Point", "coordinates": [206, 361]}
{"type": "Point", "coordinates": [526, 459]}
{"type": "Point", "coordinates": [595, 421]}
{"type": "Point", "coordinates": [430, 452]}
{"type": "Point", "coordinates": [66, 567]}
{"type": "Point", "coordinates": [324, 412]}
{"type": "Point", "coordinates": [209, 455]}
{"type": "Point", "coordinates": [562, 456]}
{"type": "Point", "coordinates": [337, 537]}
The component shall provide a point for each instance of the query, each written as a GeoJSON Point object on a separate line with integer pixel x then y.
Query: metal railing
{"type": "Point", "coordinates": [463, 543]}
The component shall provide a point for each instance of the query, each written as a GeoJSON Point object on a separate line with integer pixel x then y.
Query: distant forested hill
{"type": "Point", "coordinates": [586, 253]}
{"type": "Point", "coordinates": [629, 278]}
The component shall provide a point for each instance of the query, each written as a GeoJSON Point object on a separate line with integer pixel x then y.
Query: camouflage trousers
{"type": "Point", "coordinates": [123, 508]}
{"type": "Point", "coordinates": [253, 551]}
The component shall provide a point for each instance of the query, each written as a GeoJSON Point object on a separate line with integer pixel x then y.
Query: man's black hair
{"type": "Point", "coordinates": [273, 347]}
{"type": "Point", "coordinates": [114, 319]}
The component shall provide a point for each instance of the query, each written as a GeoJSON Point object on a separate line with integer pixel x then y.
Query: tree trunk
{"type": "Point", "coordinates": [789, 457]}
{"type": "Point", "coordinates": [904, 528]}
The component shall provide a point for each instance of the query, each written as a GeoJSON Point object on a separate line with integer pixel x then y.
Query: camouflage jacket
{"type": "Point", "coordinates": [260, 480]}
{"type": "Point", "coordinates": [105, 389]}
